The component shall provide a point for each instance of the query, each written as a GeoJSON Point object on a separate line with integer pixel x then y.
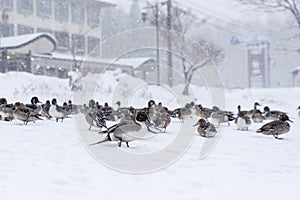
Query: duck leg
{"type": "Point", "coordinates": [127, 144]}
{"type": "Point", "coordinates": [276, 137]}
{"type": "Point", "coordinates": [120, 143]}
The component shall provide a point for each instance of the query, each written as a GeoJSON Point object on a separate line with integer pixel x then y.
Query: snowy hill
{"type": "Point", "coordinates": [49, 160]}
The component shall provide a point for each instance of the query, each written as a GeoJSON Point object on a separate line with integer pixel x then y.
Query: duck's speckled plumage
{"type": "Point", "coordinates": [276, 127]}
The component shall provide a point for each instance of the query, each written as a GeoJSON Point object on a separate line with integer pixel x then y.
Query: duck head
{"type": "Point", "coordinates": [35, 100]}
{"type": "Point", "coordinates": [3, 101]}
{"type": "Point", "coordinates": [92, 103]}
{"type": "Point", "coordinates": [284, 117]}
{"type": "Point", "coordinates": [48, 103]}
{"type": "Point", "coordinates": [118, 103]}
{"type": "Point", "coordinates": [142, 117]}
{"type": "Point", "coordinates": [256, 104]}
{"type": "Point", "coordinates": [239, 108]}
{"type": "Point", "coordinates": [151, 103]}
{"type": "Point", "coordinates": [201, 122]}
{"type": "Point", "coordinates": [18, 105]}
{"type": "Point", "coordinates": [266, 109]}
{"type": "Point", "coordinates": [54, 102]}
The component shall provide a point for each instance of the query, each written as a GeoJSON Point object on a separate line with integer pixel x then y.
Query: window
{"type": "Point", "coordinates": [25, 6]}
{"type": "Point", "coordinates": [44, 8]}
{"type": "Point", "coordinates": [78, 43]}
{"type": "Point", "coordinates": [24, 30]}
{"type": "Point", "coordinates": [6, 30]}
{"type": "Point", "coordinates": [61, 10]}
{"type": "Point", "coordinates": [93, 16]}
{"type": "Point", "coordinates": [93, 45]}
{"type": "Point", "coordinates": [43, 30]}
{"type": "Point", "coordinates": [8, 4]}
{"type": "Point", "coordinates": [62, 40]}
{"type": "Point", "coordinates": [77, 13]}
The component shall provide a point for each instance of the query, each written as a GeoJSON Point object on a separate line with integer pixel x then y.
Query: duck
{"type": "Point", "coordinates": [221, 116]}
{"type": "Point", "coordinates": [242, 121]}
{"type": "Point", "coordinates": [108, 112]}
{"type": "Point", "coordinates": [57, 112]}
{"type": "Point", "coordinates": [125, 130]}
{"type": "Point", "coordinates": [182, 113]}
{"type": "Point", "coordinates": [34, 105]}
{"type": "Point", "coordinates": [121, 112]}
{"type": "Point", "coordinates": [162, 120]}
{"type": "Point", "coordinates": [254, 110]}
{"type": "Point", "coordinates": [272, 114]}
{"type": "Point", "coordinates": [299, 111]}
{"type": "Point", "coordinates": [95, 118]}
{"type": "Point", "coordinates": [205, 128]}
{"type": "Point", "coordinates": [45, 109]}
{"type": "Point", "coordinates": [205, 112]}
{"type": "Point", "coordinates": [24, 114]}
{"type": "Point", "coordinates": [241, 111]}
{"type": "Point", "coordinates": [6, 112]}
{"type": "Point", "coordinates": [276, 127]}
{"type": "Point", "coordinates": [75, 109]}
{"type": "Point", "coordinates": [258, 117]}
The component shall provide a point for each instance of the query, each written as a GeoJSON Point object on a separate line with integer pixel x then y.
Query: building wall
{"type": "Point", "coordinates": [34, 18]}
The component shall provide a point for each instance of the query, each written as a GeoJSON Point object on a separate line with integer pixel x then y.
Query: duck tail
{"type": "Point", "coordinates": [231, 118]}
{"type": "Point", "coordinates": [259, 130]}
{"type": "Point", "coordinates": [104, 140]}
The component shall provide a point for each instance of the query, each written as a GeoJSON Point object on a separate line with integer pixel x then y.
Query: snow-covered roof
{"type": "Point", "coordinates": [296, 70]}
{"type": "Point", "coordinates": [107, 3]}
{"type": "Point", "coordinates": [132, 63]}
{"type": "Point", "coordinates": [37, 43]}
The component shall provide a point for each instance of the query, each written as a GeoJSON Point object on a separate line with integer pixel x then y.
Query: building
{"type": "Point", "coordinates": [74, 23]}
{"type": "Point", "coordinates": [52, 37]}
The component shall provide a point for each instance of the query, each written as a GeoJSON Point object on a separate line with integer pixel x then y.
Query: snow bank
{"type": "Point", "coordinates": [47, 160]}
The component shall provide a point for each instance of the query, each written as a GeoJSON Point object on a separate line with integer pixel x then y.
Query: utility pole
{"type": "Point", "coordinates": [169, 27]}
{"type": "Point", "coordinates": [144, 18]}
{"type": "Point", "coordinates": [157, 43]}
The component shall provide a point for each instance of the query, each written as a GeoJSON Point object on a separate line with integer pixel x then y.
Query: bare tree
{"type": "Point", "coordinates": [189, 69]}
{"type": "Point", "coordinates": [291, 6]}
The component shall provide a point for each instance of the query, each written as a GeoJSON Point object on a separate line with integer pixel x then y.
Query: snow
{"type": "Point", "coordinates": [22, 40]}
{"type": "Point", "coordinates": [49, 160]}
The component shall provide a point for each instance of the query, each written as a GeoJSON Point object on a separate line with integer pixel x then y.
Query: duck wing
{"type": "Point", "coordinates": [271, 126]}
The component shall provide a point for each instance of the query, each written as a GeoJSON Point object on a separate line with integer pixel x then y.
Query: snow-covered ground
{"type": "Point", "coordinates": [49, 160]}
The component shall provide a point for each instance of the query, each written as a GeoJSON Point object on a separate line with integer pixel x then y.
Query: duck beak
{"type": "Point", "coordinates": [290, 120]}
{"type": "Point", "coordinates": [195, 124]}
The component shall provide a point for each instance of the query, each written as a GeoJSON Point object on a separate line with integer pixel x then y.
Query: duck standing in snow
{"type": "Point", "coordinates": [221, 116]}
{"type": "Point", "coordinates": [206, 129]}
{"type": "Point", "coordinates": [272, 114]}
{"type": "Point", "coordinates": [6, 110]}
{"type": "Point", "coordinates": [162, 119]}
{"type": "Point", "coordinates": [242, 121]}
{"type": "Point", "coordinates": [94, 117]}
{"type": "Point", "coordinates": [24, 114]}
{"type": "Point", "coordinates": [123, 131]}
{"type": "Point", "coordinates": [205, 112]}
{"type": "Point", "coordinates": [45, 109]}
{"type": "Point", "coordinates": [276, 127]}
{"type": "Point", "coordinates": [57, 112]}
{"type": "Point", "coordinates": [258, 117]}
{"type": "Point", "coordinates": [34, 105]}
{"type": "Point", "coordinates": [254, 110]}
